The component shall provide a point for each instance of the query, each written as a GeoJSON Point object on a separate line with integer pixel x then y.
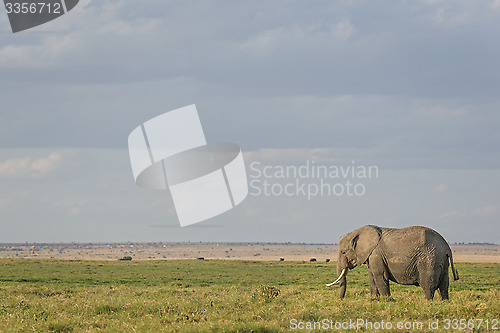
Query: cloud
{"type": "Point", "coordinates": [329, 82]}
{"type": "Point", "coordinates": [302, 76]}
{"type": "Point", "coordinates": [46, 53]}
{"type": "Point", "coordinates": [5, 203]}
{"type": "Point", "coordinates": [140, 26]}
{"type": "Point", "coordinates": [486, 211]}
{"type": "Point", "coordinates": [452, 214]}
{"type": "Point", "coordinates": [72, 207]}
{"type": "Point", "coordinates": [442, 187]}
{"type": "Point", "coordinates": [16, 168]}
{"type": "Point", "coordinates": [294, 156]}
{"type": "Point", "coordinates": [77, 38]}
{"type": "Point", "coordinates": [302, 36]}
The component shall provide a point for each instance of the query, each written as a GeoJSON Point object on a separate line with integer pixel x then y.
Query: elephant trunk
{"type": "Point", "coordinates": [342, 268]}
{"type": "Point", "coordinates": [343, 287]}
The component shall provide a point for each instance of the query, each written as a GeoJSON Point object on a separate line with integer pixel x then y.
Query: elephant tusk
{"type": "Point", "coordinates": [337, 281]}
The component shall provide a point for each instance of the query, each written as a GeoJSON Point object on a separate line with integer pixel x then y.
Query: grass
{"type": "Point", "coordinates": [47, 295]}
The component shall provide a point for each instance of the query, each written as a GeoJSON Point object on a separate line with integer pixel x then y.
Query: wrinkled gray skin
{"type": "Point", "coordinates": [411, 256]}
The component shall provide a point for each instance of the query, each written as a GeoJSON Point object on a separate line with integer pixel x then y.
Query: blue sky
{"type": "Point", "coordinates": [411, 87]}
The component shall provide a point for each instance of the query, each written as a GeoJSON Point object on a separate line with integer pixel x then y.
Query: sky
{"type": "Point", "coordinates": [410, 87]}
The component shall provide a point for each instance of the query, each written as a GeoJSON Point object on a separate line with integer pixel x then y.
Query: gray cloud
{"type": "Point", "coordinates": [95, 199]}
{"type": "Point", "coordinates": [411, 85]}
{"type": "Point", "coordinates": [339, 74]}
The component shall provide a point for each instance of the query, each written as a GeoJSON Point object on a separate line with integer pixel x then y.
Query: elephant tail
{"type": "Point", "coordinates": [454, 271]}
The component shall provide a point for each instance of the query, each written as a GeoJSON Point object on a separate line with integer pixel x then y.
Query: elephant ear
{"type": "Point", "coordinates": [364, 242]}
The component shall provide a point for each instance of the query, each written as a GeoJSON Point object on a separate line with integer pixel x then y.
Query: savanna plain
{"type": "Point", "coordinates": [231, 295]}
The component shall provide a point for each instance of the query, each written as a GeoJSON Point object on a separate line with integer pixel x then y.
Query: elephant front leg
{"type": "Point", "coordinates": [382, 284]}
{"type": "Point", "coordinates": [373, 288]}
{"type": "Point", "coordinates": [379, 281]}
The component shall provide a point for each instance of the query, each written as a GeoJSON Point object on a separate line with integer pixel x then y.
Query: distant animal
{"type": "Point", "coordinates": [327, 260]}
{"type": "Point", "coordinates": [282, 259]}
{"type": "Point", "coordinates": [410, 256]}
{"type": "Point", "coordinates": [312, 259]}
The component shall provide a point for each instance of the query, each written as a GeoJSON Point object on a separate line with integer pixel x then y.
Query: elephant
{"type": "Point", "coordinates": [410, 256]}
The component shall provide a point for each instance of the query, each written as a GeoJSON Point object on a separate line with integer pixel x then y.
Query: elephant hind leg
{"type": "Point", "coordinates": [428, 285]}
{"type": "Point", "coordinates": [429, 292]}
{"type": "Point", "coordinates": [443, 285]}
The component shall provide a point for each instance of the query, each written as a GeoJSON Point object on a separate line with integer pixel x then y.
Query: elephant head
{"type": "Point", "coordinates": [354, 250]}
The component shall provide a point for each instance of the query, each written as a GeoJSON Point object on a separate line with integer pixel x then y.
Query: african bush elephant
{"type": "Point", "coordinates": [411, 256]}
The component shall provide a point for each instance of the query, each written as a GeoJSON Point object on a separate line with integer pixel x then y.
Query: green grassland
{"type": "Point", "coordinates": [47, 295]}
